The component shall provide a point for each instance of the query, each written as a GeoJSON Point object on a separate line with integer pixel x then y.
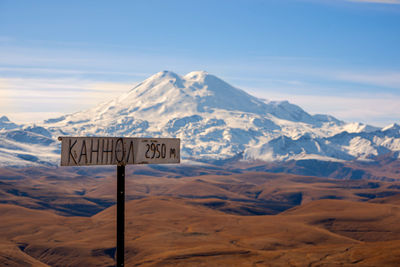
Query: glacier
{"type": "Point", "coordinates": [213, 119]}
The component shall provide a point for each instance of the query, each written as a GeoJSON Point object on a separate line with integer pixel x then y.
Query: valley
{"type": "Point", "coordinates": [197, 215]}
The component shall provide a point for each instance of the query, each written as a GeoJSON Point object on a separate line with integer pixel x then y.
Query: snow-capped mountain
{"type": "Point", "coordinates": [6, 124]}
{"type": "Point", "coordinates": [213, 119]}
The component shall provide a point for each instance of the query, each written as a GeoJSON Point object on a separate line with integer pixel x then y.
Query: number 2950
{"type": "Point", "coordinates": [156, 151]}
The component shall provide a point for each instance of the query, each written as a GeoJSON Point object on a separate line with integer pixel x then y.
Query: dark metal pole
{"type": "Point", "coordinates": [120, 215]}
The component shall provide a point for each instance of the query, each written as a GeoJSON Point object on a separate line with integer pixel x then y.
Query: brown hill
{"type": "Point", "coordinates": [74, 192]}
{"type": "Point", "coordinates": [163, 231]}
{"type": "Point", "coordinates": [357, 220]}
{"type": "Point", "coordinates": [197, 220]}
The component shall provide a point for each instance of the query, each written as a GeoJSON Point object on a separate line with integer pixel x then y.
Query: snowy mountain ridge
{"type": "Point", "coordinates": [213, 119]}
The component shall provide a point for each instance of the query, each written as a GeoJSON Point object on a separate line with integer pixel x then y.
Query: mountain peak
{"type": "Point", "coordinates": [200, 76]}
{"type": "Point", "coordinates": [393, 126]}
{"type": "Point", "coordinates": [168, 93]}
{"type": "Point", "coordinates": [5, 123]}
{"type": "Point", "coordinates": [165, 74]}
{"type": "Point", "coordinates": [213, 119]}
{"type": "Point", "coordinates": [196, 75]}
{"type": "Point", "coordinates": [4, 119]}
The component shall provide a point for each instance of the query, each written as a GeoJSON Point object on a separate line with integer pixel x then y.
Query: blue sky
{"type": "Point", "coordinates": [338, 57]}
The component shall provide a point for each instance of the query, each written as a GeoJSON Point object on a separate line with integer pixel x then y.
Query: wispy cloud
{"type": "Point", "coordinates": [385, 79]}
{"type": "Point", "coordinates": [37, 98]}
{"type": "Point", "coordinates": [16, 86]}
{"type": "Point", "coordinates": [382, 108]}
{"type": "Point", "coordinates": [61, 71]}
{"type": "Point", "coordinates": [32, 117]}
{"type": "Point", "coordinates": [76, 81]}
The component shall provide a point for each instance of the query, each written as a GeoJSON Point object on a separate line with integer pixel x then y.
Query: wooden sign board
{"type": "Point", "coordinates": [85, 151]}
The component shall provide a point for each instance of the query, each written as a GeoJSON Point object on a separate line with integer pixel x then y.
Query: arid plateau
{"type": "Point", "coordinates": [197, 216]}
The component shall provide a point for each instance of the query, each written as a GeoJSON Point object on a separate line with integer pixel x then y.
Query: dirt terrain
{"type": "Point", "coordinates": [173, 231]}
{"type": "Point", "coordinates": [66, 217]}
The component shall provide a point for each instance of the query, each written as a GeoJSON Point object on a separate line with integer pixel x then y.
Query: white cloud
{"type": "Point", "coordinates": [59, 85]}
{"type": "Point", "coordinates": [32, 117]}
{"type": "Point", "coordinates": [51, 71]}
{"type": "Point", "coordinates": [27, 99]}
{"type": "Point", "coordinates": [4, 96]}
{"type": "Point", "coordinates": [388, 79]}
{"type": "Point", "coordinates": [375, 109]}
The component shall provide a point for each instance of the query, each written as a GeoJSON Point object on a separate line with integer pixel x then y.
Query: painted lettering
{"type": "Point", "coordinates": [70, 155]}
{"type": "Point", "coordinates": [92, 150]}
{"type": "Point", "coordinates": [83, 152]}
{"type": "Point", "coordinates": [158, 151]}
{"type": "Point", "coordinates": [147, 151]}
{"type": "Point", "coordinates": [172, 151]}
{"type": "Point", "coordinates": [119, 147]}
{"type": "Point", "coordinates": [80, 151]}
{"type": "Point", "coordinates": [163, 151]}
{"type": "Point", "coordinates": [107, 150]}
{"type": "Point", "coordinates": [130, 151]}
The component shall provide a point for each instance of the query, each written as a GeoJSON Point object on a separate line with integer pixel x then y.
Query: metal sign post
{"type": "Point", "coordinates": [120, 215]}
{"type": "Point", "coordinates": [120, 151]}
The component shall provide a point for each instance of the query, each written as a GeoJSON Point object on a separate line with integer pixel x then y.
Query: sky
{"type": "Point", "coordinates": [336, 57]}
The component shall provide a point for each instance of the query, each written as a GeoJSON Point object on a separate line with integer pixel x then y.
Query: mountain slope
{"type": "Point", "coordinates": [214, 121]}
